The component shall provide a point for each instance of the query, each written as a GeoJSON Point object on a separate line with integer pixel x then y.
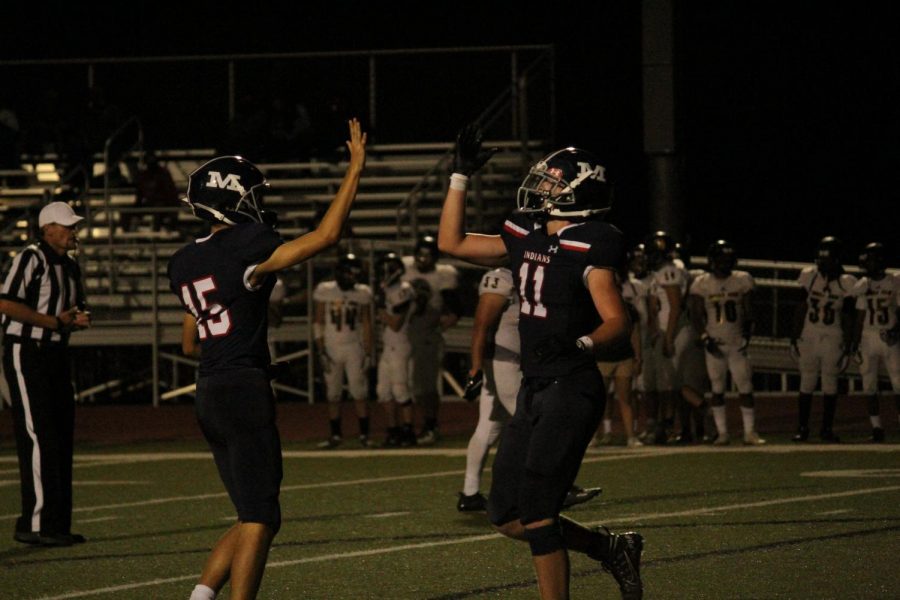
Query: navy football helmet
{"type": "Point", "coordinates": [828, 256]}
{"type": "Point", "coordinates": [721, 258]}
{"type": "Point", "coordinates": [390, 269]}
{"type": "Point", "coordinates": [566, 183]}
{"type": "Point", "coordinates": [873, 261]}
{"type": "Point", "coordinates": [228, 189]}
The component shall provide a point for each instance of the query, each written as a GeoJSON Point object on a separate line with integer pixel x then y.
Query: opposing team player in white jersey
{"type": "Point", "coordinates": [668, 289]}
{"type": "Point", "coordinates": [343, 332]}
{"type": "Point", "coordinates": [877, 331]}
{"type": "Point", "coordinates": [494, 377]}
{"type": "Point", "coordinates": [721, 310]}
{"type": "Point", "coordinates": [394, 303]}
{"type": "Point", "coordinates": [437, 309]}
{"type": "Point", "coordinates": [621, 366]}
{"type": "Point", "coordinates": [821, 334]}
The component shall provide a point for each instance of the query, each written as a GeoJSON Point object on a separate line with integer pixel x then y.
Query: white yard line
{"type": "Point", "coordinates": [485, 537]}
{"type": "Point", "coordinates": [91, 460]}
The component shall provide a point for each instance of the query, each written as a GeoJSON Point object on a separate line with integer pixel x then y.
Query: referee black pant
{"type": "Point", "coordinates": [44, 421]}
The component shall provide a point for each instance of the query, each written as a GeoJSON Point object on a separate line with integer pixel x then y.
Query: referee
{"type": "Point", "coordinates": [42, 302]}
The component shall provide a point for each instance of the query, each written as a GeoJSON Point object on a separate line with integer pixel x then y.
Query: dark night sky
{"type": "Point", "coordinates": [787, 117]}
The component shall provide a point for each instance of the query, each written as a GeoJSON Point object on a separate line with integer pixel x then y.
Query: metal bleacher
{"type": "Point", "coordinates": [125, 270]}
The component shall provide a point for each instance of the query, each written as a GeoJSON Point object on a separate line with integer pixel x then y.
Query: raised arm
{"type": "Point", "coordinates": [488, 250]}
{"type": "Point", "coordinates": [328, 232]}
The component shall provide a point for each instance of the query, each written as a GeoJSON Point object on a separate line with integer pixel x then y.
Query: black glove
{"type": "Point", "coordinates": [552, 347]}
{"type": "Point", "coordinates": [469, 156]}
{"type": "Point", "coordinates": [711, 345]}
{"type": "Point", "coordinates": [473, 386]}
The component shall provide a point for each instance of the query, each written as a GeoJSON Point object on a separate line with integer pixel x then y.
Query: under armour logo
{"type": "Point", "coordinates": [230, 182]}
{"type": "Point", "coordinates": [553, 249]}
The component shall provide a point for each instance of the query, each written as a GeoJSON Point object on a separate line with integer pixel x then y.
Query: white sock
{"type": "Point", "coordinates": [719, 417]}
{"type": "Point", "coordinates": [748, 415]}
{"type": "Point", "coordinates": [876, 421]}
{"type": "Point", "coordinates": [607, 425]}
{"type": "Point", "coordinates": [203, 592]}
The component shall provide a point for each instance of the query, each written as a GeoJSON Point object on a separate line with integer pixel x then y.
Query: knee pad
{"type": "Point", "coordinates": [406, 402]}
{"type": "Point", "coordinates": [546, 539]}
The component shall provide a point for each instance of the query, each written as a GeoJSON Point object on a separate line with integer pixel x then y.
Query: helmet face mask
{"type": "Point", "coordinates": [828, 256]}
{"type": "Point", "coordinates": [348, 271]}
{"type": "Point", "coordinates": [721, 258]}
{"type": "Point", "coordinates": [637, 261]}
{"type": "Point", "coordinates": [390, 269]}
{"type": "Point", "coordinates": [566, 183]}
{"type": "Point", "coordinates": [872, 261]}
{"type": "Point", "coordinates": [659, 248]}
{"type": "Point", "coordinates": [426, 253]}
{"type": "Point", "coordinates": [229, 190]}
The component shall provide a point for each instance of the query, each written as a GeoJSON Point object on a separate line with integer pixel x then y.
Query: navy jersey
{"type": "Point", "coordinates": [550, 273]}
{"type": "Point", "coordinates": [209, 276]}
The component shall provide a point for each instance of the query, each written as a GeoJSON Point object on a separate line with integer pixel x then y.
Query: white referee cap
{"type": "Point", "coordinates": [59, 213]}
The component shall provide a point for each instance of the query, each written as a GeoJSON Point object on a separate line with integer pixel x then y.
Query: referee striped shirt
{"type": "Point", "coordinates": [45, 282]}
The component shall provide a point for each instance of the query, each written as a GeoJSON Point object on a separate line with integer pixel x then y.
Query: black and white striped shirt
{"type": "Point", "coordinates": [45, 282]}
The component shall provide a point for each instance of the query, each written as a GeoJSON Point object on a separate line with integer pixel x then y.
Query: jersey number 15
{"type": "Point", "coordinates": [211, 320]}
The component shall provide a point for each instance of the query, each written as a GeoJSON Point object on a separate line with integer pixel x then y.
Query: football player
{"type": "Point", "coordinates": [494, 376]}
{"type": "Point", "coordinates": [821, 336]}
{"type": "Point", "coordinates": [437, 309]}
{"type": "Point", "coordinates": [563, 259]}
{"type": "Point", "coordinates": [622, 365]}
{"type": "Point", "coordinates": [224, 281]}
{"type": "Point", "coordinates": [877, 330]}
{"type": "Point", "coordinates": [668, 288]}
{"type": "Point", "coordinates": [343, 333]}
{"type": "Point", "coordinates": [395, 299]}
{"type": "Point", "coordinates": [721, 310]}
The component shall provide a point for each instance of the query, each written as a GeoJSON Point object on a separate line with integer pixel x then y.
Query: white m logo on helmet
{"type": "Point", "coordinates": [598, 172]}
{"type": "Point", "coordinates": [230, 182]}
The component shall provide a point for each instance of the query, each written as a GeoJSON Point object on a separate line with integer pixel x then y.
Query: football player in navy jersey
{"type": "Point", "coordinates": [563, 261]}
{"type": "Point", "coordinates": [224, 280]}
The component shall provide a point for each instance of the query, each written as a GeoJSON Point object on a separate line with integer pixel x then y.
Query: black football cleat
{"type": "Point", "coordinates": [27, 537]}
{"type": "Point", "coordinates": [624, 563]}
{"type": "Point", "coordinates": [802, 435]}
{"type": "Point", "coordinates": [877, 435]}
{"type": "Point", "coordinates": [474, 503]}
{"type": "Point", "coordinates": [580, 495]}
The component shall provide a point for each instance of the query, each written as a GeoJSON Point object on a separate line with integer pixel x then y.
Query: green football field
{"type": "Point", "coordinates": [779, 521]}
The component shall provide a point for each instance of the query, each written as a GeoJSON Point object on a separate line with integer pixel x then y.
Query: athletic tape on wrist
{"type": "Point", "coordinates": [458, 181]}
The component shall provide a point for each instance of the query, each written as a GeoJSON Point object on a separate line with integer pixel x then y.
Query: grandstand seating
{"type": "Point", "coordinates": [128, 289]}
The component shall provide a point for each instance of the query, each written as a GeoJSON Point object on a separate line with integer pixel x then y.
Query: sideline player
{"type": "Point", "coordinates": [722, 311]}
{"type": "Point", "coordinates": [343, 332]}
{"type": "Point", "coordinates": [821, 333]}
{"type": "Point", "coordinates": [395, 299]}
{"type": "Point", "coordinates": [494, 377]}
{"type": "Point", "coordinates": [437, 309]}
{"type": "Point", "coordinates": [224, 281]}
{"type": "Point", "coordinates": [563, 261]}
{"type": "Point", "coordinates": [877, 330]}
